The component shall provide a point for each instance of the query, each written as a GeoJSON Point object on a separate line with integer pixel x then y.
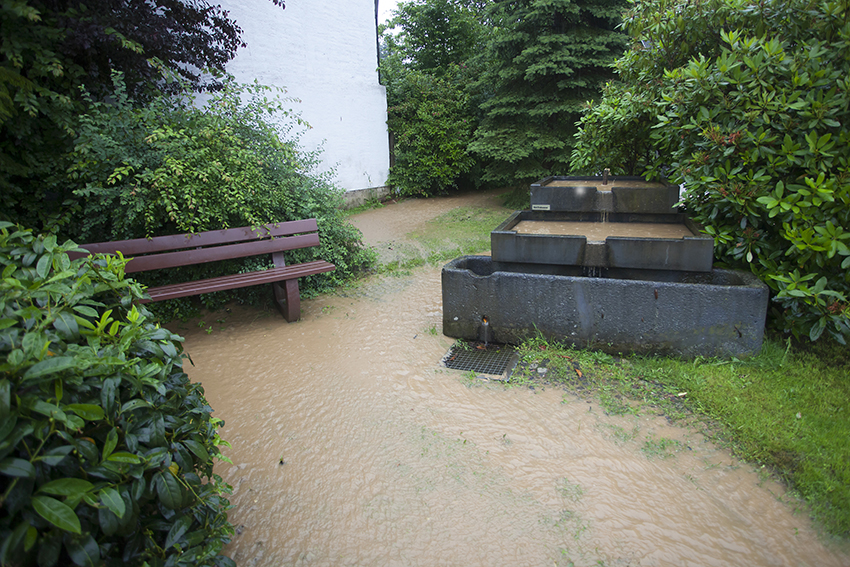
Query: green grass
{"type": "Point", "coordinates": [787, 408]}
{"type": "Point", "coordinates": [460, 231]}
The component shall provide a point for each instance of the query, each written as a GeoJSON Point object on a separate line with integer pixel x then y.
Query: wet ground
{"type": "Point", "coordinates": [352, 445]}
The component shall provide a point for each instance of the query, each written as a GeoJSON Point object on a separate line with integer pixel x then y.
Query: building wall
{"type": "Point", "coordinates": [325, 54]}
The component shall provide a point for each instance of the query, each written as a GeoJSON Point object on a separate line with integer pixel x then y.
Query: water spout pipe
{"type": "Point", "coordinates": [484, 333]}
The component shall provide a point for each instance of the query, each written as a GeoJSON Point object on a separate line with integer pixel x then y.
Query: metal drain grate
{"type": "Point", "coordinates": [492, 359]}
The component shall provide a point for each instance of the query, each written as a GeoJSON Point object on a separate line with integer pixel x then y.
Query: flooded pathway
{"type": "Point", "coordinates": [353, 446]}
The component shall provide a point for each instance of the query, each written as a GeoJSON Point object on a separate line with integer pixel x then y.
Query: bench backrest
{"type": "Point", "coordinates": [187, 249]}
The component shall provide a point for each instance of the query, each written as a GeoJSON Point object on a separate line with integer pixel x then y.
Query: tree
{"type": "Point", "coordinates": [748, 106]}
{"type": "Point", "coordinates": [428, 67]}
{"type": "Point", "coordinates": [50, 49]}
{"type": "Point", "coordinates": [433, 35]}
{"type": "Point", "coordinates": [545, 59]}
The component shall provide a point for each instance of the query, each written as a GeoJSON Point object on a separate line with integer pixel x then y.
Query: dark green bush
{"type": "Point", "coordinates": [747, 105]}
{"type": "Point", "coordinates": [432, 124]}
{"type": "Point", "coordinates": [429, 66]}
{"type": "Point", "coordinates": [106, 447]}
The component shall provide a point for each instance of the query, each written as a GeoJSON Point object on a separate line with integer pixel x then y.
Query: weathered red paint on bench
{"type": "Point", "coordinates": [187, 249]}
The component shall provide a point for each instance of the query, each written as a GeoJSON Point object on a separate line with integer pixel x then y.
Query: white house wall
{"type": "Point", "coordinates": [323, 53]}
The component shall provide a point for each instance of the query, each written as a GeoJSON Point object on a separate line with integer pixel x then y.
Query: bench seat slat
{"type": "Point", "coordinates": [227, 252]}
{"type": "Point", "coordinates": [238, 280]}
{"type": "Point", "coordinates": [211, 238]}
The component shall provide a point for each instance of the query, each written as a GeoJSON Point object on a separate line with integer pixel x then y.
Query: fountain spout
{"type": "Point", "coordinates": [485, 335]}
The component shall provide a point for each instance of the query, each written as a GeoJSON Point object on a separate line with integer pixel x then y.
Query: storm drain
{"type": "Point", "coordinates": [492, 359]}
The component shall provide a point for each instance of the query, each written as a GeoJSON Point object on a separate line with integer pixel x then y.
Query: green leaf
{"type": "Point", "coordinates": [109, 522]}
{"type": "Point", "coordinates": [48, 410]}
{"type": "Point", "coordinates": [108, 399]}
{"type": "Point", "coordinates": [31, 538]}
{"type": "Point", "coordinates": [84, 551]}
{"type": "Point", "coordinates": [178, 529]}
{"type": "Point", "coordinates": [134, 404]}
{"type": "Point", "coordinates": [89, 412]}
{"type": "Point", "coordinates": [57, 513]}
{"type": "Point", "coordinates": [50, 242]}
{"type": "Point", "coordinates": [11, 542]}
{"type": "Point", "coordinates": [169, 490]}
{"type": "Point", "coordinates": [112, 500]}
{"type": "Point", "coordinates": [51, 365]}
{"type": "Point", "coordinates": [86, 311]}
{"type": "Point", "coordinates": [48, 550]}
{"type": "Point", "coordinates": [55, 455]}
{"type": "Point", "coordinates": [74, 487]}
{"type": "Point", "coordinates": [7, 424]}
{"type": "Point", "coordinates": [66, 325]}
{"type": "Point", "coordinates": [43, 266]}
{"type": "Point", "coordinates": [17, 468]}
{"type": "Point", "coordinates": [197, 448]}
{"type": "Point", "coordinates": [124, 457]}
{"type": "Point", "coordinates": [817, 329]}
{"type": "Point", "coordinates": [5, 396]}
{"type": "Point", "coordinates": [111, 443]}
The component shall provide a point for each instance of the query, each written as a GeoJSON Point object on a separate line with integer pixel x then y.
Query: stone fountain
{"type": "Point", "coordinates": [609, 264]}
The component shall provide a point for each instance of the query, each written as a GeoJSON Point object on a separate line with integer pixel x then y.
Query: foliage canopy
{"type": "Point", "coordinates": [169, 166]}
{"type": "Point", "coordinates": [49, 49]}
{"type": "Point", "coordinates": [429, 66]}
{"type": "Point", "coordinates": [544, 60]}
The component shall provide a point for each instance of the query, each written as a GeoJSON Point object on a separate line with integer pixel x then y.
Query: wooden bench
{"type": "Point", "coordinates": [187, 249]}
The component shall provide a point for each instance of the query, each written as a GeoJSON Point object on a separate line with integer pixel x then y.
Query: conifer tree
{"type": "Point", "coordinates": [546, 59]}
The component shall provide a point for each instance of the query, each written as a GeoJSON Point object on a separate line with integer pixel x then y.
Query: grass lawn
{"type": "Point", "coordinates": [787, 408]}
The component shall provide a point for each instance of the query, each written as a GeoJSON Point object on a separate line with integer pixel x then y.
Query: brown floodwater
{"type": "Point", "coordinates": [352, 445]}
{"type": "Point", "coordinates": [598, 231]}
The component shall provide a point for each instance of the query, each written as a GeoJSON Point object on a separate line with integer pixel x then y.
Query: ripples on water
{"type": "Point", "coordinates": [351, 446]}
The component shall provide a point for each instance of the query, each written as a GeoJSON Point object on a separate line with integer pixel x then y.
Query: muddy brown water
{"type": "Point", "coordinates": [352, 445]}
{"type": "Point", "coordinates": [601, 230]}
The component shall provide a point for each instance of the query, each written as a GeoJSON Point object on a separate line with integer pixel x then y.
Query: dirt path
{"type": "Point", "coordinates": [352, 445]}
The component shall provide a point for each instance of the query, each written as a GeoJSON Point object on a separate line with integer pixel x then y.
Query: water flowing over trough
{"type": "Point", "coordinates": [353, 446]}
{"type": "Point", "coordinates": [613, 267]}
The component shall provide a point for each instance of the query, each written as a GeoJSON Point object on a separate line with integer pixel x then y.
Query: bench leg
{"type": "Point", "coordinates": [288, 299]}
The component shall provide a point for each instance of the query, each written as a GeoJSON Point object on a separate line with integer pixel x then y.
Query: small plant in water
{"type": "Point", "coordinates": [570, 491]}
{"type": "Point", "coordinates": [661, 448]}
{"type": "Point", "coordinates": [621, 436]}
{"type": "Point", "coordinates": [470, 379]}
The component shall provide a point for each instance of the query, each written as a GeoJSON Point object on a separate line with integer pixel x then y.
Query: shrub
{"type": "Point", "coordinates": [432, 125]}
{"type": "Point", "coordinates": [168, 167]}
{"type": "Point", "coordinates": [749, 108]}
{"type": "Point", "coordinates": [106, 448]}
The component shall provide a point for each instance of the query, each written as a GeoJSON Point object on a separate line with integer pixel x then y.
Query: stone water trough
{"type": "Point", "coordinates": [622, 271]}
